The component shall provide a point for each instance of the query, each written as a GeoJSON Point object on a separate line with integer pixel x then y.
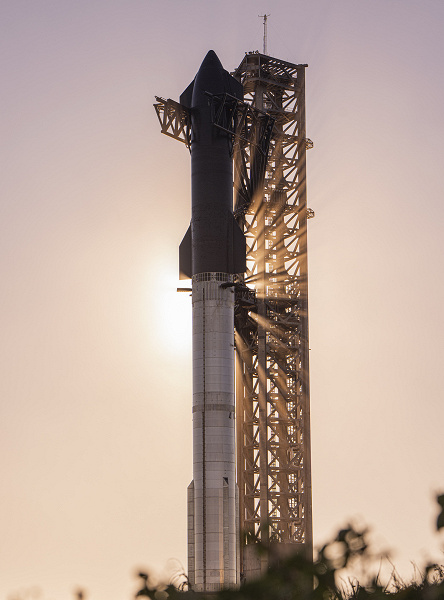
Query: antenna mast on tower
{"type": "Point", "coordinates": [265, 17]}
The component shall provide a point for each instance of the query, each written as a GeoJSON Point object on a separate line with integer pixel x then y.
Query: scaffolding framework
{"type": "Point", "coordinates": [272, 376]}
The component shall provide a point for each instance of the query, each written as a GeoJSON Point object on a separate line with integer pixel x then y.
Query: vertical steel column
{"type": "Point", "coordinates": [304, 329]}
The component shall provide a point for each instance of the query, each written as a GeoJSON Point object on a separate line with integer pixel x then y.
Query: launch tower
{"type": "Point", "coordinates": [272, 376]}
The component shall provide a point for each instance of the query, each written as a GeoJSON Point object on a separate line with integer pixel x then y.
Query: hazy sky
{"type": "Point", "coordinates": [95, 385]}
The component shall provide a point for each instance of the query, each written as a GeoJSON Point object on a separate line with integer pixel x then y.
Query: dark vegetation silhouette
{"type": "Point", "coordinates": [299, 579]}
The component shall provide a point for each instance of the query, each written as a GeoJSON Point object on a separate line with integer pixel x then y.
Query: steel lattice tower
{"type": "Point", "coordinates": [272, 375]}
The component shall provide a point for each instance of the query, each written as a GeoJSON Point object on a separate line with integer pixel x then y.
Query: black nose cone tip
{"type": "Point", "coordinates": [211, 61]}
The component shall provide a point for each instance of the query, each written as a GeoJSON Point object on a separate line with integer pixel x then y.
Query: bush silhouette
{"type": "Point", "coordinates": [296, 578]}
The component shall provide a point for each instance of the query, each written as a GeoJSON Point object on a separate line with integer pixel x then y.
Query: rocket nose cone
{"type": "Point", "coordinates": [211, 61]}
{"type": "Point", "coordinates": [209, 79]}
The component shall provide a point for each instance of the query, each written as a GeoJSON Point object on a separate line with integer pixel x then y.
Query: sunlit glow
{"type": "Point", "coordinates": [171, 318]}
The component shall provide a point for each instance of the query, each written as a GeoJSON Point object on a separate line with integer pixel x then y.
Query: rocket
{"type": "Point", "coordinates": [212, 251]}
{"type": "Point", "coordinates": [214, 243]}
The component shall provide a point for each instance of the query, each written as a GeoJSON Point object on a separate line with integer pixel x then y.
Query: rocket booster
{"type": "Point", "coordinates": [214, 242]}
{"type": "Point", "coordinates": [212, 251]}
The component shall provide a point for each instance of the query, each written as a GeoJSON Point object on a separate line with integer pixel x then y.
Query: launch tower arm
{"type": "Point", "coordinates": [174, 119]}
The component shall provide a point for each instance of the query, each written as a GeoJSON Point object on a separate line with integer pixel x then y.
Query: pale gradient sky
{"type": "Point", "coordinates": [95, 385]}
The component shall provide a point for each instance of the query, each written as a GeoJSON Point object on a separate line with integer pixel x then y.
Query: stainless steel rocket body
{"type": "Point", "coordinates": [214, 514]}
{"type": "Point", "coordinates": [212, 251]}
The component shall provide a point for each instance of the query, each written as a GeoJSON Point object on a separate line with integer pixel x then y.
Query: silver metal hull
{"type": "Point", "coordinates": [212, 496]}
